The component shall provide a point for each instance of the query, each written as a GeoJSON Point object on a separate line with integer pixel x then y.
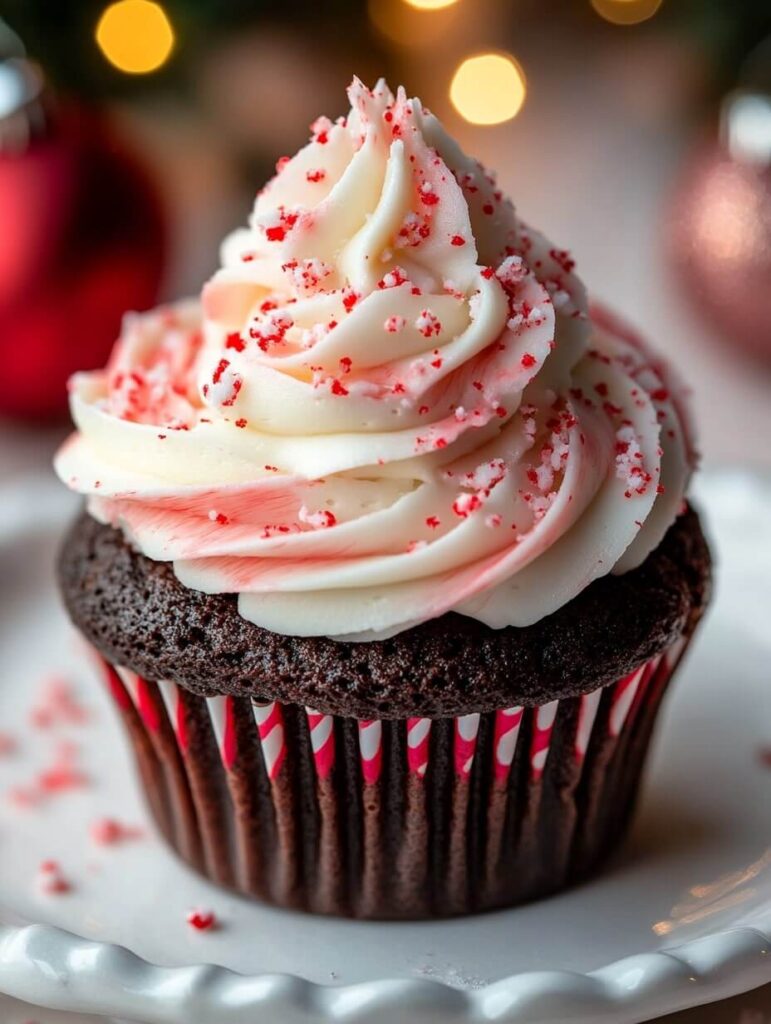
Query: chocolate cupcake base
{"type": "Point", "coordinates": [408, 818]}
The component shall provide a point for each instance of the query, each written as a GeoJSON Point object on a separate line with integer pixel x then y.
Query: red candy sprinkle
{"type": "Point", "coordinates": [350, 298]}
{"type": "Point", "coordinates": [563, 259]}
{"type": "Point", "coordinates": [57, 705]}
{"type": "Point", "coordinates": [528, 360]}
{"type": "Point", "coordinates": [109, 832]}
{"type": "Point", "coordinates": [235, 341]}
{"type": "Point", "coordinates": [465, 504]}
{"type": "Point", "coordinates": [51, 880]}
{"type": "Point", "coordinates": [202, 920]}
{"type": "Point", "coordinates": [458, 240]}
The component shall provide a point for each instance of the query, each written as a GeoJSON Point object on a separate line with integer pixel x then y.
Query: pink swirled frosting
{"type": "Point", "coordinates": [390, 403]}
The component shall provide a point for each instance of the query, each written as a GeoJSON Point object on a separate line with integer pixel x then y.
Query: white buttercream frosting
{"type": "Point", "coordinates": [390, 403]}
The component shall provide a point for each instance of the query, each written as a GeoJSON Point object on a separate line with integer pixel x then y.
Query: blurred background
{"type": "Point", "coordinates": [637, 133]}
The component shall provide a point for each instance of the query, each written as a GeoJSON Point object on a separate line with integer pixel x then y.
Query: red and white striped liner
{"type": "Point", "coordinates": [269, 720]}
{"type": "Point", "coordinates": [371, 750]}
{"type": "Point", "coordinates": [544, 724]}
{"type": "Point", "coordinates": [270, 725]}
{"type": "Point", "coordinates": [466, 731]}
{"type": "Point", "coordinates": [418, 745]}
{"type": "Point", "coordinates": [507, 724]}
{"type": "Point", "coordinates": [322, 728]}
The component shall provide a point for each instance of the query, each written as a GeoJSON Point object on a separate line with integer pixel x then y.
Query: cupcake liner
{"type": "Point", "coordinates": [392, 819]}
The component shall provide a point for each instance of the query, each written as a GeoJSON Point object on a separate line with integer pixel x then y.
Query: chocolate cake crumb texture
{"type": "Point", "coordinates": [138, 615]}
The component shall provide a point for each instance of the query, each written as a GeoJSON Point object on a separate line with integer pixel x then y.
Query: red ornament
{"type": "Point", "coordinates": [82, 243]}
{"type": "Point", "coordinates": [720, 238]}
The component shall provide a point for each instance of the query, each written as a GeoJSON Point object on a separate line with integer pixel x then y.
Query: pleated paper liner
{"type": "Point", "coordinates": [392, 819]}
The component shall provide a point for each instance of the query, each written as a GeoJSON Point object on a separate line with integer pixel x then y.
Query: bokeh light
{"type": "Point", "coordinates": [135, 36]}
{"type": "Point", "coordinates": [410, 25]}
{"type": "Point", "coordinates": [430, 5]}
{"type": "Point", "coordinates": [626, 12]}
{"type": "Point", "coordinates": [488, 88]}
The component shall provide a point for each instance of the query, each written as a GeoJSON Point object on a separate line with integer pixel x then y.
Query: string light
{"type": "Point", "coordinates": [430, 5]}
{"type": "Point", "coordinates": [488, 89]}
{"type": "Point", "coordinates": [135, 36]}
{"type": "Point", "coordinates": [626, 12]}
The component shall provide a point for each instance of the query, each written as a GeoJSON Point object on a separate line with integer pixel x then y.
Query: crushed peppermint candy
{"type": "Point", "coordinates": [350, 298]}
{"type": "Point", "coordinates": [307, 275]}
{"type": "Point", "coordinates": [320, 130]}
{"type": "Point", "coordinates": [428, 323]}
{"type": "Point", "coordinates": [393, 279]}
{"type": "Point", "coordinates": [311, 336]}
{"type": "Point", "coordinates": [320, 520]}
{"type": "Point", "coordinates": [395, 323]}
{"type": "Point", "coordinates": [278, 229]}
{"type": "Point", "coordinates": [271, 330]}
{"type": "Point", "coordinates": [629, 462]}
{"type": "Point", "coordinates": [511, 271]}
{"type": "Point", "coordinates": [109, 832]}
{"type": "Point", "coordinates": [486, 475]}
{"type": "Point", "coordinates": [465, 504]}
{"type": "Point", "coordinates": [539, 504]}
{"type": "Point", "coordinates": [225, 386]}
{"type": "Point", "coordinates": [57, 704]}
{"type": "Point", "coordinates": [235, 341]}
{"type": "Point", "coordinates": [412, 232]}
{"type": "Point", "coordinates": [51, 880]}
{"type": "Point", "coordinates": [563, 259]}
{"type": "Point", "coordinates": [202, 920]}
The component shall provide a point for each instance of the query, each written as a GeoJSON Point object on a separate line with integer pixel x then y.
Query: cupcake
{"type": "Point", "coordinates": [386, 553]}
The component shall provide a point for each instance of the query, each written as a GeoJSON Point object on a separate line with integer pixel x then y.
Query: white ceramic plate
{"type": "Point", "coordinates": [682, 917]}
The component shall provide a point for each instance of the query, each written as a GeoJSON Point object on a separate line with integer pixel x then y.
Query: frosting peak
{"type": "Point", "coordinates": [391, 404]}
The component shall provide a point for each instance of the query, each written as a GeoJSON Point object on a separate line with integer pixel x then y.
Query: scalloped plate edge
{"type": "Point", "coordinates": [50, 967]}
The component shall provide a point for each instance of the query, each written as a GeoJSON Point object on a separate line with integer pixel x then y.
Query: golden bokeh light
{"type": "Point", "coordinates": [413, 25]}
{"type": "Point", "coordinates": [430, 5]}
{"type": "Point", "coordinates": [135, 36]}
{"type": "Point", "coordinates": [488, 88]}
{"type": "Point", "coordinates": [626, 12]}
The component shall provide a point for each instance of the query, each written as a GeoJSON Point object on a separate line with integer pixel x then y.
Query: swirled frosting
{"type": "Point", "coordinates": [391, 402]}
